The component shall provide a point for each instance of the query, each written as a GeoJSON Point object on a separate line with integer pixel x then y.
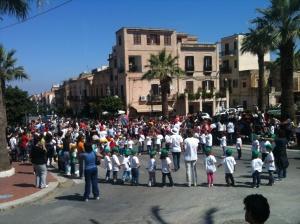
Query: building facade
{"type": "Point", "coordinates": [200, 62]}
{"type": "Point", "coordinates": [240, 71]}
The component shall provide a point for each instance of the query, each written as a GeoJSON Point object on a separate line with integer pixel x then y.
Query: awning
{"type": "Point", "coordinates": [149, 108]}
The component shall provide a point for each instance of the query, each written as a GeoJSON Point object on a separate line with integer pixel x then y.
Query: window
{"type": "Point", "coordinates": [167, 39]}
{"type": "Point", "coordinates": [189, 86]}
{"type": "Point", "coordinates": [111, 77]}
{"type": "Point", "coordinates": [235, 83]}
{"type": "Point", "coordinates": [207, 65]}
{"type": "Point", "coordinates": [235, 63]}
{"type": "Point", "coordinates": [136, 39]}
{"type": "Point", "coordinates": [153, 39]}
{"type": "Point", "coordinates": [119, 40]}
{"type": "Point", "coordinates": [122, 91]}
{"type": "Point", "coordinates": [244, 84]}
{"type": "Point", "coordinates": [208, 85]}
{"type": "Point", "coordinates": [189, 63]}
{"type": "Point", "coordinates": [245, 104]}
{"type": "Point", "coordinates": [226, 49]}
{"type": "Point", "coordinates": [295, 82]}
{"type": "Point", "coordinates": [235, 45]}
{"type": "Point", "coordinates": [135, 63]}
{"type": "Point", "coordinates": [155, 89]}
{"type": "Point", "coordinates": [115, 63]}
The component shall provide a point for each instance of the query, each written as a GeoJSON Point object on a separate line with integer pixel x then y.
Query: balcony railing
{"type": "Point", "coordinates": [230, 53]}
{"type": "Point", "coordinates": [225, 70]}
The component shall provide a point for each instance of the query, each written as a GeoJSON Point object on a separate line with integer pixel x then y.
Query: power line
{"type": "Point", "coordinates": [35, 16]}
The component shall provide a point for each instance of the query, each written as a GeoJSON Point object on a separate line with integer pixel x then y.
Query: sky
{"type": "Point", "coordinates": [79, 35]}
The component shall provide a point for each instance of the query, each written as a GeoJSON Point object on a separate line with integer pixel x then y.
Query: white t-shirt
{"type": "Point", "coordinates": [176, 140]}
{"type": "Point", "coordinates": [230, 127]}
{"type": "Point", "coordinates": [102, 134]}
{"type": "Point", "coordinates": [209, 139]}
{"type": "Point", "coordinates": [256, 164]}
{"type": "Point", "coordinates": [255, 145]}
{"type": "Point", "coordinates": [130, 144]}
{"type": "Point", "coordinates": [13, 142]}
{"type": "Point", "coordinates": [135, 163]}
{"type": "Point", "coordinates": [165, 165]}
{"type": "Point", "coordinates": [107, 163]}
{"type": "Point", "coordinates": [168, 139]}
{"type": "Point", "coordinates": [262, 146]}
{"type": "Point", "coordinates": [190, 147]}
{"type": "Point", "coordinates": [209, 163]}
{"type": "Point", "coordinates": [151, 165]}
{"type": "Point", "coordinates": [126, 163]}
{"type": "Point", "coordinates": [115, 163]}
{"type": "Point", "coordinates": [269, 161]}
{"type": "Point", "coordinates": [141, 138]}
{"type": "Point", "coordinates": [158, 139]}
{"type": "Point", "coordinates": [203, 139]}
{"type": "Point", "coordinates": [148, 140]}
{"type": "Point", "coordinates": [239, 143]}
{"type": "Point", "coordinates": [228, 164]}
{"type": "Point", "coordinates": [223, 141]}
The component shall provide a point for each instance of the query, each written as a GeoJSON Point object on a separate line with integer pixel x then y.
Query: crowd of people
{"type": "Point", "coordinates": [78, 146]}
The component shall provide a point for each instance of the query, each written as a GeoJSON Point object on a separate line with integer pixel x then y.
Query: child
{"type": "Point", "coordinates": [149, 143]}
{"type": "Point", "coordinates": [239, 146]}
{"type": "Point", "coordinates": [158, 140]}
{"type": "Point", "coordinates": [115, 164]}
{"type": "Point", "coordinates": [229, 167]}
{"type": "Point", "coordinates": [209, 162]}
{"type": "Point", "coordinates": [223, 142]}
{"type": "Point", "coordinates": [166, 168]}
{"type": "Point", "coordinates": [255, 143]}
{"type": "Point", "coordinates": [135, 165]}
{"type": "Point", "coordinates": [256, 167]}
{"type": "Point", "coordinates": [151, 169]}
{"type": "Point", "coordinates": [270, 164]}
{"type": "Point", "coordinates": [107, 163]}
{"type": "Point", "coordinates": [126, 166]}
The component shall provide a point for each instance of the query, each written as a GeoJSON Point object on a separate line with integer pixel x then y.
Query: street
{"type": "Point", "coordinates": [178, 204]}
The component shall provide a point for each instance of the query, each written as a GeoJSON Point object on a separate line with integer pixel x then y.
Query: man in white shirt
{"type": "Point", "coordinates": [176, 146]}
{"type": "Point", "coordinates": [190, 157]}
{"type": "Point", "coordinates": [230, 131]}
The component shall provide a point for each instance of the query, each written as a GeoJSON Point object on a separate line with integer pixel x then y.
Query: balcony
{"type": "Point", "coordinates": [157, 98]}
{"type": "Point", "coordinates": [229, 53]}
{"type": "Point", "coordinates": [225, 70]}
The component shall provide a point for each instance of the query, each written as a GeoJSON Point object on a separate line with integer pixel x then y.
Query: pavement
{"type": "Point", "coordinates": [179, 204]}
{"type": "Point", "coordinates": [20, 189]}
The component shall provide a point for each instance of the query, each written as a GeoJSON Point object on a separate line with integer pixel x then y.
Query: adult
{"type": "Point", "coordinates": [257, 209]}
{"type": "Point", "coordinates": [230, 131]}
{"type": "Point", "coordinates": [176, 147]}
{"type": "Point", "coordinates": [80, 151]}
{"type": "Point", "coordinates": [90, 172]}
{"type": "Point", "coordinates": [281, 160]}
{"type": "Point", "coordinates": [66, 153]}
{"type": "Point", "coordinates": [39, 161]}
{"type": "Point", "coordinates": [23, 145]}
{"type": "Point", "coordinates": [190, 157]}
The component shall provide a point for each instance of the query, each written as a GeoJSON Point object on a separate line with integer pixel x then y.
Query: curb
{"type": "Point", "coordinates": [7, 173]}
{"type": "Point", "coordinates": [31, 198]}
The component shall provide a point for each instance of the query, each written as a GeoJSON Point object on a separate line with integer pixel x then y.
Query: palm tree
{"type": "Point", "coordinates": [257, 41]}
{"type": "Point", "coordinates": [18, 9]}
{"type": "Point", "coordinates": [163, 67]}
{"type": "Point", "coordinates": [284, 18]}
{"type": "Point", "coordinates": [8, 72]}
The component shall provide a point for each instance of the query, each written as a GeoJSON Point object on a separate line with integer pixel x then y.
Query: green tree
{"type": "Point", "coordinates": [18, 105]}
{"type": "Point", "coordinates": [257, 42]}
{"type": "Point", "coordinates": [284, 18]}
{"type": "Point", "coordinates": [110, 104]}
{"type": "Point", "coordinates": [8, 72]}
{"type": "Point", "coordinates": [163, 67]}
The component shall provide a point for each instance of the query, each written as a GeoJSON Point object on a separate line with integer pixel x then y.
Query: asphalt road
{"type": "Point", "coordinates": [179, 204]}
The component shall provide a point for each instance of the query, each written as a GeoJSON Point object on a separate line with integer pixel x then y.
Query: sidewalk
{"type": "Point", "coordinates": [20, 188]}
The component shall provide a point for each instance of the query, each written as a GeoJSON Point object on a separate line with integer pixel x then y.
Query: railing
{"type": "Point", "coordinates": [225, 70]}
{"type": "Point", "coordinates": [230, 52]}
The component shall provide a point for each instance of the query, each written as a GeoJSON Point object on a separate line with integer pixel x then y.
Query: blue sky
{"type": "Point", "coordinates": [79, 35]}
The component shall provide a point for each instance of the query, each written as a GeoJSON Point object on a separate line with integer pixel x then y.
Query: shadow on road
{"type": "Point", "coordinates": [74, 197]}
{"type": "Point", "coordinates": [155, 210]}
{"type": "Point", "coordinates": [93, 221]}
{"type": "Point", "coordinates": [209, 216]}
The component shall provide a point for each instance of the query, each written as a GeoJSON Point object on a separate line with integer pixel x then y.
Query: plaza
{"type": "Point", "coordinates": [178, 204]}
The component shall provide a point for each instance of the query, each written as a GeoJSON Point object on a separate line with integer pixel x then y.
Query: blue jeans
{"type": "Point", "coordinates": [149, 148]}
{"type": "Point", "coordinates": [135, 176]}
{"type": "Point", "coordinates": [126, 176]}
{"type": "Point", "coordinates": [91, 178]}
{"type": "Point", "coordinates": [281, 172]}
{"type": "Point", "coordinates": [176, 160]}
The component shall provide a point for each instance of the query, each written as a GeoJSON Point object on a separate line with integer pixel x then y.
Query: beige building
{"type": "Point", "coordinates": [200, 62]}
{"type": "Point", "coordinates": [241, 72]}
